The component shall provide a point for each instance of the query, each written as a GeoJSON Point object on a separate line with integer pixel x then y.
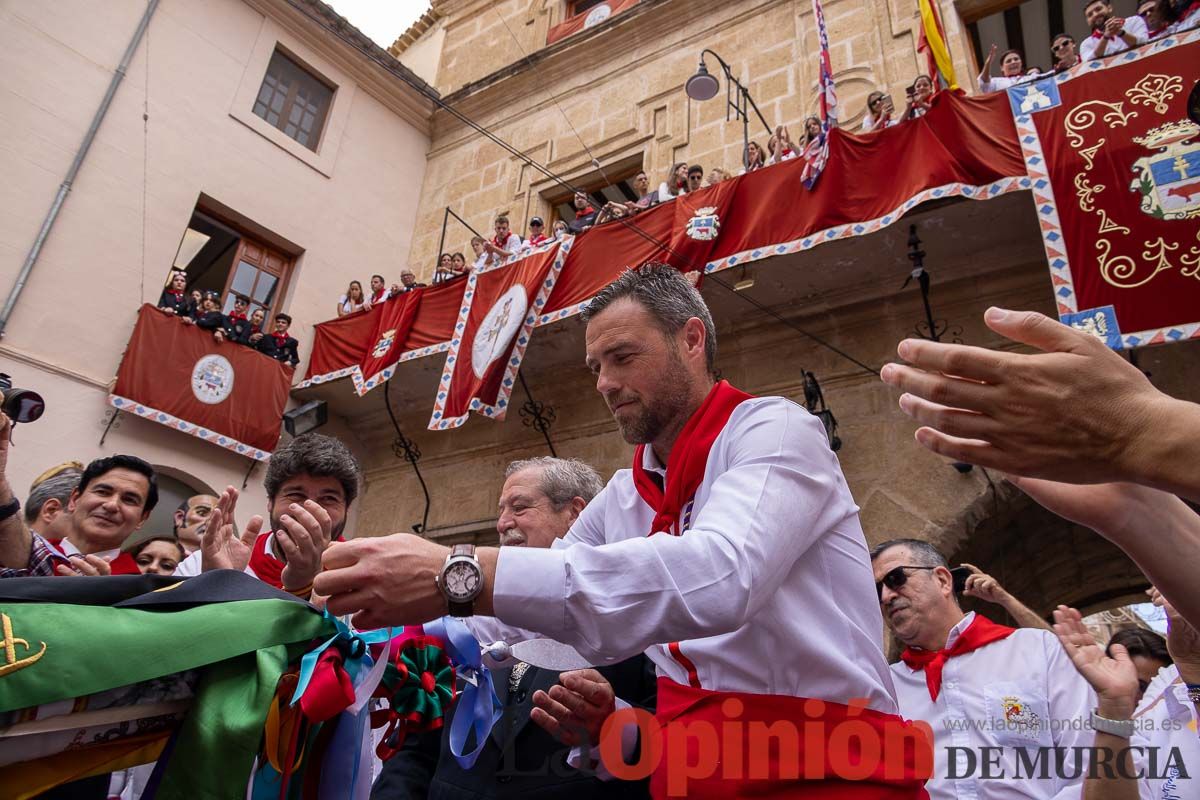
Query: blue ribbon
{"type": "Point", "coordinates": [356, 648]}
{"type": "Point", "coordinates": [478, 708]}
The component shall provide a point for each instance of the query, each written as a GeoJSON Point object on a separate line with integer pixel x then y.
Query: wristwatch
{"type": "Point", "coordinates": [461, 580]}
{"type": "Point", "coordinates": [1117, 727]}
{"type": "Point", "coordinates": [9, 509]}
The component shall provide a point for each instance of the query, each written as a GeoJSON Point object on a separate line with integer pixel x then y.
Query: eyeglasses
{"type": "Point", "coordinates": [1059, 45]}
{"type": "Point", "coordinates": [894, 579]}
{"type": "Point", "coordinates": [875, 102]}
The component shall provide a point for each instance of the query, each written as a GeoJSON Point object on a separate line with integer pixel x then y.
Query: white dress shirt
{"type": "Point", "coordinates": [769, 589]}
{"type": "Point", "coordinates": [1019, 692]}
{"type": "Point", "coordinates": [998, 83]}
{"type": "Point", "coordinates": [190, 566]}
{"type": "Point", "coordinates": [1135, 26]}
{"type": "Point", "coordinates": [1166, 719]}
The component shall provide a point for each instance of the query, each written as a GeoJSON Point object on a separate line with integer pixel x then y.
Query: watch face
{"type": "Point", "coordinates": [462, 581]}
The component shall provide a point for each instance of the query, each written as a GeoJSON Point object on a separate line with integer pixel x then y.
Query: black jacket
{"type": "Point", "coordinates": [520, 760]}
{"type": "Point", "coordinates": [287, 353]}
{"type": "Point", "coordinates": [212, 321]}
{"type": "Point", "coordinates": [181, 305]}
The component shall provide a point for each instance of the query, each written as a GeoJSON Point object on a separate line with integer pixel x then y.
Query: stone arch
{"type": "Point", "coordinates": [1040, 558]}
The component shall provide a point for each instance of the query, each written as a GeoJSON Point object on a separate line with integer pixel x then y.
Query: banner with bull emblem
{"type": "Point", "coordinates": [1115, 167]}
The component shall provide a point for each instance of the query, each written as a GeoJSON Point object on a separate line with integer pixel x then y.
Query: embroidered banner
{"type": "Point", "coordinates": [393, 324]}
{"type": "Point", "coordinates": [225, 393]}
{"type": "Point", "coordinates": [1115, 164]}
{"type": "Point", "coordinates": [500, 306]}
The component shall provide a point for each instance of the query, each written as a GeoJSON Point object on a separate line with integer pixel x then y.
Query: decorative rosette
{"type": "Point", "coordinates": [418, 686]}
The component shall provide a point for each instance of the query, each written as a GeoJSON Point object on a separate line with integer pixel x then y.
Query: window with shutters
{"type": "Point", "coordinates": [294, 100]}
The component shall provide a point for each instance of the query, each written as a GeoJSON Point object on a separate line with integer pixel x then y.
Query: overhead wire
{"type": "Point", "coordinates": [433, 96]}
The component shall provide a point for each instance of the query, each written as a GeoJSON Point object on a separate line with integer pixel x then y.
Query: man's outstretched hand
{"type": "Point", "coordinates": [387, 580]}
{"type": "Point", "coordinates": [1077, 411]}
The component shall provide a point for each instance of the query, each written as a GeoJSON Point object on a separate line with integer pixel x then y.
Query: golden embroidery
{"type": "Point", "coordinates": [1108, 226]}
{"type": "Point", "coordinates": [1156, 253]}
{"type": "Point", "coordinates": [1082, 117]}
{"type": "Point", "coordinates": [1121, 271]}
{"type": "Point", "coordinates": [1085, 191]}
{"type": "Point", "coordinates": [1192, 259]}
{"type": "Point", "coordinates": [1155, 90]}
{"type": "Point", "coordinates": [11, 662]}
{"type": "Point", "coordinates": [1088, 154]}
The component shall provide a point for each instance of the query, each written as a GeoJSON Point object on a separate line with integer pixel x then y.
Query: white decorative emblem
{"type": "Point", "coordinates": [212, 379]}
{"type": "Point", "coordinates": [705, 225]}
{"type": "Point", "coordinates": [597, 15]}
{"type": "Point", "coordinates": [501, 323]}
{"type": "Point", "coordinates": [384, 344]}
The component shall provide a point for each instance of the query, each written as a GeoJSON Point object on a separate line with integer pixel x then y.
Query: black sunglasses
{"type": "Point", "coordinates": [894, 579]}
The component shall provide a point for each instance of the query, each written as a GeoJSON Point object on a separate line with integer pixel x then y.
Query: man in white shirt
{"type": "Point", "coordinates": [731, 554]}
{"type": "Point", "coordinates": [996, 698]}
{"type": "Point", "coordinates": [1110, 34]}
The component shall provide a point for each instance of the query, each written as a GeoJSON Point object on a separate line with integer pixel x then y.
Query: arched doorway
{"type": "Point", "coordinates": [1040, 558]}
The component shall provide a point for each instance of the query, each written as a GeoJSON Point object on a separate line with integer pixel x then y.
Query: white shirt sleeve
{"type": "Point", "coordinates": [189, 566]}
{"type": "Point", "coordinates": [610, 601]}
{"type": "Point", "coordinates": [1137, 26]}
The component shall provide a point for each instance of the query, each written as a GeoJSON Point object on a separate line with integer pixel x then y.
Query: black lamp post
{"type": "Point", "coordinates": [704, 86]}
{"type": "Point", "coordinates": [931, 328]}
{"type": "Point", "coordinates": [814, 401]}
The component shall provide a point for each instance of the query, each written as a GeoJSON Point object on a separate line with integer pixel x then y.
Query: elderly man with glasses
{"type": "Point", "coordinates": [997, 698]}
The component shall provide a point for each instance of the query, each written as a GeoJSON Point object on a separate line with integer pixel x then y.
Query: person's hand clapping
{"type": "Point", "coordinates": [1114, 678]}
{"type": "Point", "coordinates": [304, 535]}
{"type": "Point", "coordinates": [574, 710]}
{"type": "Point", "coordinates": [220, 546]}
{"type": "Point", "coordinates": [86, 566]}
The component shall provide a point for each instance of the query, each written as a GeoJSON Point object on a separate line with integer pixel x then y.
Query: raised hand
{"type": "Point", "coordinates": [983, 586]}
{"type": "Point", "coordinates": [304, 535]}
{"type": "Point", "coordinates": [220, 546]}
{"type": "Point", "coordinates": [1114, 678]}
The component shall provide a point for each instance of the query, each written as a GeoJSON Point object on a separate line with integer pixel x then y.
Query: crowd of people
{"type": "Point", "coordinates": [204, 310]}
{"type": "Point", "coordinates": [1110, 35]}
{"type": "Point", "coordinates": [773, 570]}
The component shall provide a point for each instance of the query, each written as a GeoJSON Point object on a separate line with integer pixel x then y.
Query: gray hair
{"type": "Point", "coordinates": [563, 479]}
{"type": "Point", "coordinates": [923, 553]}
{"type": "Point", "coordinates": [58, 487]}
{"type": "Point", "coordinates": [666, 295]}
{"type": "Point", "coordinates": [317, 455]}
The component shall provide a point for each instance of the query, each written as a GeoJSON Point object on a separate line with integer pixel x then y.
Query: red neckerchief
{"type": "Point", "coordinates": [280, 338]}
{"type": "Point", "coordinates": [584, 213]}
{"type": "Point", "coordinates": [254, 329]}
{"type": "Point", "coordinates": [496, 241]}
{"type": "Point", "coordinates": [233, 315]}
{"type": "Point", "coordinates": [685, 467]}
{"type": "Point", "coordinates": [266, 567]}
{"type": "Point", "coordinates": [123, 564]}
{"type": "Point", "coordinates": [534, 241]}
{"type": "Point", "coordinates": [375, 298]}
{"type": "Point", "coordinates": [177, 295]}
{"type": "Point", "coordinates": [982, 631]}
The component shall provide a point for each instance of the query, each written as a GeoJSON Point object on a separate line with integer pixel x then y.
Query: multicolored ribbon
{"type": "Point", "coordinates": [478, 708]}
{"type": "Point", "coordinates": [418, 688]}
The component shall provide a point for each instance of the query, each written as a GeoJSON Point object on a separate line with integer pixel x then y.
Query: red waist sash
{"type": "Point", "coordinates": [736, 744]}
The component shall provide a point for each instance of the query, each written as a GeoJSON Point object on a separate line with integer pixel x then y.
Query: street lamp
{"type": "Point", "coordinates": [814, 401]}
{"type": "Point", "coordinates": [704, 86]}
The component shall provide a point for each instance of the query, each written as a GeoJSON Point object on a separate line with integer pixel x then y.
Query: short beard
{"type": "Point", "coordinates": [670, 404]}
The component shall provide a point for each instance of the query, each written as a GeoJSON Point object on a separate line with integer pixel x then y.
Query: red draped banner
{"type": "Point", "coordinates": [1115, 164]}
{"type": "Point", "coordinates": [177, 375]}
{"type": "Point", "coordinates": [499, 309]}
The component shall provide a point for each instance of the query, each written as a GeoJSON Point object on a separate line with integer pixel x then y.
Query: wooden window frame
{"type": "Point", "coordinates": [262, 263]}
{"type": "Point", "coordinates": [290, 99]}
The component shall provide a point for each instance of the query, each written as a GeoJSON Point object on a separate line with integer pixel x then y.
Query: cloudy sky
{"type": "Point", "coordinates": [382, 20]}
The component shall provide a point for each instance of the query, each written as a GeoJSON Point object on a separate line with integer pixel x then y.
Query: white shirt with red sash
{"type": "Point", "coordinates": [1019, 692]}
{"type": "Point", "coordinates": [768, 591]}
{"type": "Point", "coordinates": [1134, 25]}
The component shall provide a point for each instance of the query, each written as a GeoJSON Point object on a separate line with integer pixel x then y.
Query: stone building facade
{"type": "Point", "coordinates": [599, 105]}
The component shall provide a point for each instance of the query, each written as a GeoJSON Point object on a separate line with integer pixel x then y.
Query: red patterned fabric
{"type": "Point", "coordinates": [899, 768]}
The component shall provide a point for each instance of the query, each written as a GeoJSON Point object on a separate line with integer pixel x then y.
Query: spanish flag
{"type": "Point", "coordinates": [932, 41]}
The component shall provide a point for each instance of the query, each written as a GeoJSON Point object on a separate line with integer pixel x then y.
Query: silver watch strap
{"type": "Point", "coordinates": [1116, 727]}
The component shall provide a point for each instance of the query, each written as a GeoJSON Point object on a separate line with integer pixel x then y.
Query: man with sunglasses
{"type": "Point", "coordinates": [1063, 49]}
{"type": "Point", "coordinates": [988, 691]}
